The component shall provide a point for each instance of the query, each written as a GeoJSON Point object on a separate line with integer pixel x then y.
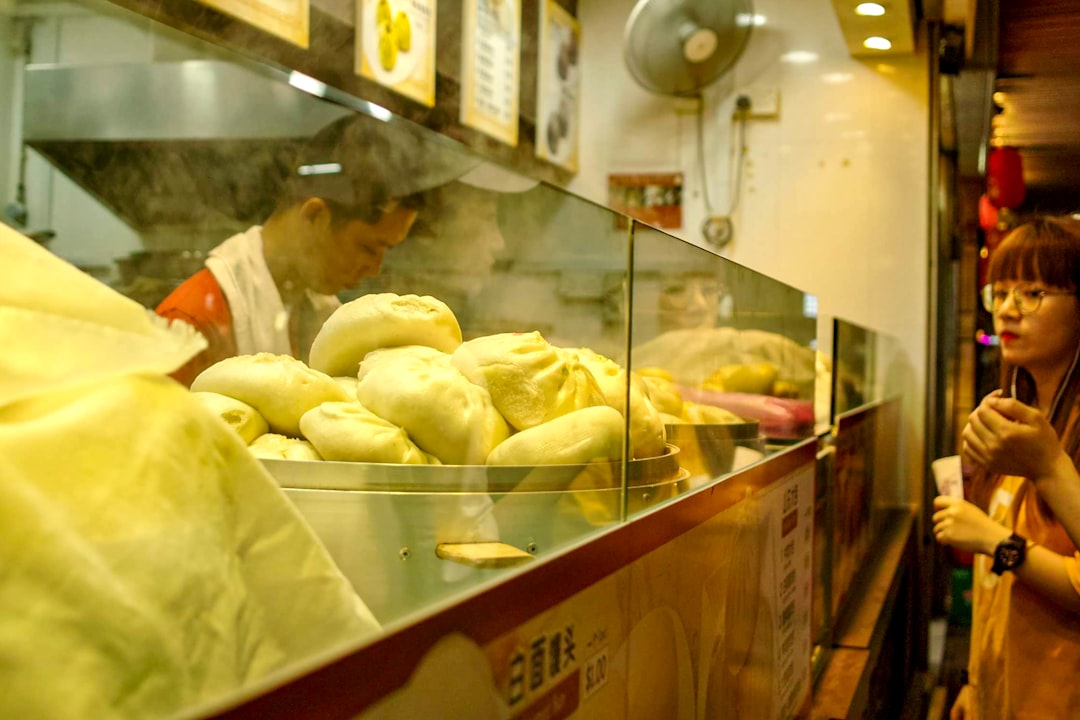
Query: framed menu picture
{"type": "Point", "coordinates": [395, 41]}
{"type": "Point", "coordinates": [653, 198]}
{"type": "Point", "coordinates": [558, 87]}
{"type": "Point", "coordinates": [491, 67]}
{"type": "Point", "coordinates": [288, 19]}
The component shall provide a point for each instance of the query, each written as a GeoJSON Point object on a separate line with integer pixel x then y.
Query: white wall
{"type": "Point", "coordinates": [834, 196]}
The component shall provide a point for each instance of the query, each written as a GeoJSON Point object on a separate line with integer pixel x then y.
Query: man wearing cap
{"type": "Point", "coordinates": [352, 196]}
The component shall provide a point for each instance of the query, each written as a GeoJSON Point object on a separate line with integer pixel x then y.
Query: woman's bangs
{"type": "Point", "coordinates": [1043, 252]}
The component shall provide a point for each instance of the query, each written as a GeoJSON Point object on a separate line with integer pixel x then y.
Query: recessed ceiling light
{"type": "Point", "coordinates": [799, 57]}
{"type": "Point", "coordinates": [876, 42]}
{"type": "Point", "coordinates": [750, 20]}
{"type": "Point", "coordinates": [835, 78]}
{"type": "Point", "coordinates": [872, 9]}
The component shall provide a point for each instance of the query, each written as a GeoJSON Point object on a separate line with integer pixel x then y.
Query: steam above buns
{"type": "Point", "coordinates": [382, 320]}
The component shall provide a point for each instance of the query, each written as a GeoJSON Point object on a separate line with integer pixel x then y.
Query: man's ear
{"type": "Point", "coordinates": [315, 210]}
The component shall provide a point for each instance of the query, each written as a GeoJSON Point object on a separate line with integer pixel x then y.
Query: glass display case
{"type": "Point", "coordinates": [458, 375]}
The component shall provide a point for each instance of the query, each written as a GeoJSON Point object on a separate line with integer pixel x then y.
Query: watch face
{"type": "Point", "coordinates": [1010, 556]}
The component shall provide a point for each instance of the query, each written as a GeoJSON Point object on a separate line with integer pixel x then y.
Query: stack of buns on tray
{"type": "Point", "coordinates": [391, 381]}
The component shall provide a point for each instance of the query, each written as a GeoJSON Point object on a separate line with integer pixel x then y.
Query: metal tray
{"type": "Point", "coordinates": [386, 477]}
{"type": "Point", "coordinates": [383, 524]}
{"type": "Point", "coordinates": [709, 450]}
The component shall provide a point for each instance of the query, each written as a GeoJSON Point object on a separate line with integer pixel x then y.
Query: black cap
{"type": "Point", "coordinates": [362, 162]}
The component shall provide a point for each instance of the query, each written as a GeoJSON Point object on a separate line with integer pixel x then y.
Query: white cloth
{"type": "Point", "coordinates": [148, 563]}
{"type": "Point", "coordinates": [259, 319]}
{"type": "Point", "coordinates": [260, 322]}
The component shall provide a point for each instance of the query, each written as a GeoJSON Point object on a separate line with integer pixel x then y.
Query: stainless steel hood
{"type": "Point", "coordinates": [169, 146]}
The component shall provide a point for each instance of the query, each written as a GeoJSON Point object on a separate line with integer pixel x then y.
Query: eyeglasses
{"type": "Point", "coordinates": [1025, 300]}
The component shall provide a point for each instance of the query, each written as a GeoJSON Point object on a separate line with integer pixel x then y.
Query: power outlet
{"type": "Point", "coordinates": [764, 102]}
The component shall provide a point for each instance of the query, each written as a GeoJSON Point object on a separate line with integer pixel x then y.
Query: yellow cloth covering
{"type": "Point", "coordinates": [148, 563]}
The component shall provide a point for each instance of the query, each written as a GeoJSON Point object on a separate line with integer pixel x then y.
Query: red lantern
{"type": "Point", "coordinates": [988, 214]}
{"type": "Point", "coordinates": [1005, 177]}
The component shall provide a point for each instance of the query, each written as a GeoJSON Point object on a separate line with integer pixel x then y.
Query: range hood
{"type": "Point", "coordinates": [171, 146]}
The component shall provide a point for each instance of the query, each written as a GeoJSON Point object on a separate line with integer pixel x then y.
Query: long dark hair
{"type": "Point", "coordinates": [1046, 250]}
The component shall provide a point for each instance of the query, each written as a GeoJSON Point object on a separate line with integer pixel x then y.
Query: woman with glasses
{"type": "Point", "coordinates": [1024, 522]}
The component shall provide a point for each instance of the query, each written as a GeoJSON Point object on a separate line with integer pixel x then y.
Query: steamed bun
{"type": "Point", "coordinates": [663, 394]}
{"type": "Point", "coordinates": [279, 387]}
{"type": "Point", "coordinates": [350, 432]}
{"type": "Point", "coordinates": [280, 447]}
{"type": "Point", "coordinates": [241, 417]}
{"type": "Point", "coordinates": [586, 435]}
{"type": "Point", "coordinates": [529, 380]}
{"type": "Point", "coordinates": [646, 427]}
{"type": "Point", "coordinates": [382, 320]}
{"type": "Point", "coordinates": [418, 389]}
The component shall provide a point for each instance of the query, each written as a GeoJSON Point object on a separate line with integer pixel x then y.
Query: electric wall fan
{"type": "Point", "coordinates": [678, 48]}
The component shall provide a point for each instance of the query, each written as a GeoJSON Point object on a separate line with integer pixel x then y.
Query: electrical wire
{"type": "Point", "coordinates": [736, 154]}
{"type": "Point", "coordinates": [701, 154]}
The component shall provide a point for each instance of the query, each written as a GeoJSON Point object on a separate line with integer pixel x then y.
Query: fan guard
{"type": "Point", "coordinates": [678, 47]}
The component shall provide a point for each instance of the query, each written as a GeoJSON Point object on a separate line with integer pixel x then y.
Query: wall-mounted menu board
{"type": "Point", "coordinates": [395, 46]}
{"type": "Point", "coordinates": [491, 67]}
{"type": "Point", "coordinates": [558, 86]}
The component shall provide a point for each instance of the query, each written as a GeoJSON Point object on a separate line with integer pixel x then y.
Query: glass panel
{"type": "Point", "coordinates": [868, 437]}
{"type": "Point", "coordinates": [280, 216]}
{"type": "Point", "coordinates": [724, 353]}
{"type": "Point", "coordinates": [238, 199]}
{"type": "Point", "coordinates": [854, 366]}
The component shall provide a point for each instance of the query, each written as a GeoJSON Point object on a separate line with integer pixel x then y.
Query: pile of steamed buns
{"type": "Point", "coordinates": [390, 381]}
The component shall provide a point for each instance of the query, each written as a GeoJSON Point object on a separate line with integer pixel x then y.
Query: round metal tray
{"type": "Point", "coordinates": [709, 449]}
{"type": "Point", "coordinates": [386, 477]}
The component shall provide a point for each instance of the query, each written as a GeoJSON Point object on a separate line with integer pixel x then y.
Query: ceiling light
{"type": "Point", "coordinates": [998, 97]}
{"type": "Point", "coordinates": [331, 168]}
{"type": "Point", "coordinates": [835, 78]}
{"type": "Point", "coordinates": [799, 57]}
{"type": "Point", "coordinates": [876, 42]}
{"type": "Point", "coordinates": [871, 8]}
{"type": "Point", "coordinates": [750, 20]}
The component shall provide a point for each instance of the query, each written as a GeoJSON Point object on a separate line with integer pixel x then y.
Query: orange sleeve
{"type": "Point", "coordinates": [200, 303]}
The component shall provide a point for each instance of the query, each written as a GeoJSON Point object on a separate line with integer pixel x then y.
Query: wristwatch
{"type": "Point", "coordinates": [1009, 554]}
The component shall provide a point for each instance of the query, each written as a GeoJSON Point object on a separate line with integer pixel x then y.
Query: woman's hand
{"type": "Point", "coordinates": [962, 525]}
{"type": "Point", "coordinates": [1006, 436]}
{"type": "Point", "coordinates": [960, 707]}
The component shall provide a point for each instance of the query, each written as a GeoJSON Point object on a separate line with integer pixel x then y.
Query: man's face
{"type": "Point", "coordinates": [351, 251]}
